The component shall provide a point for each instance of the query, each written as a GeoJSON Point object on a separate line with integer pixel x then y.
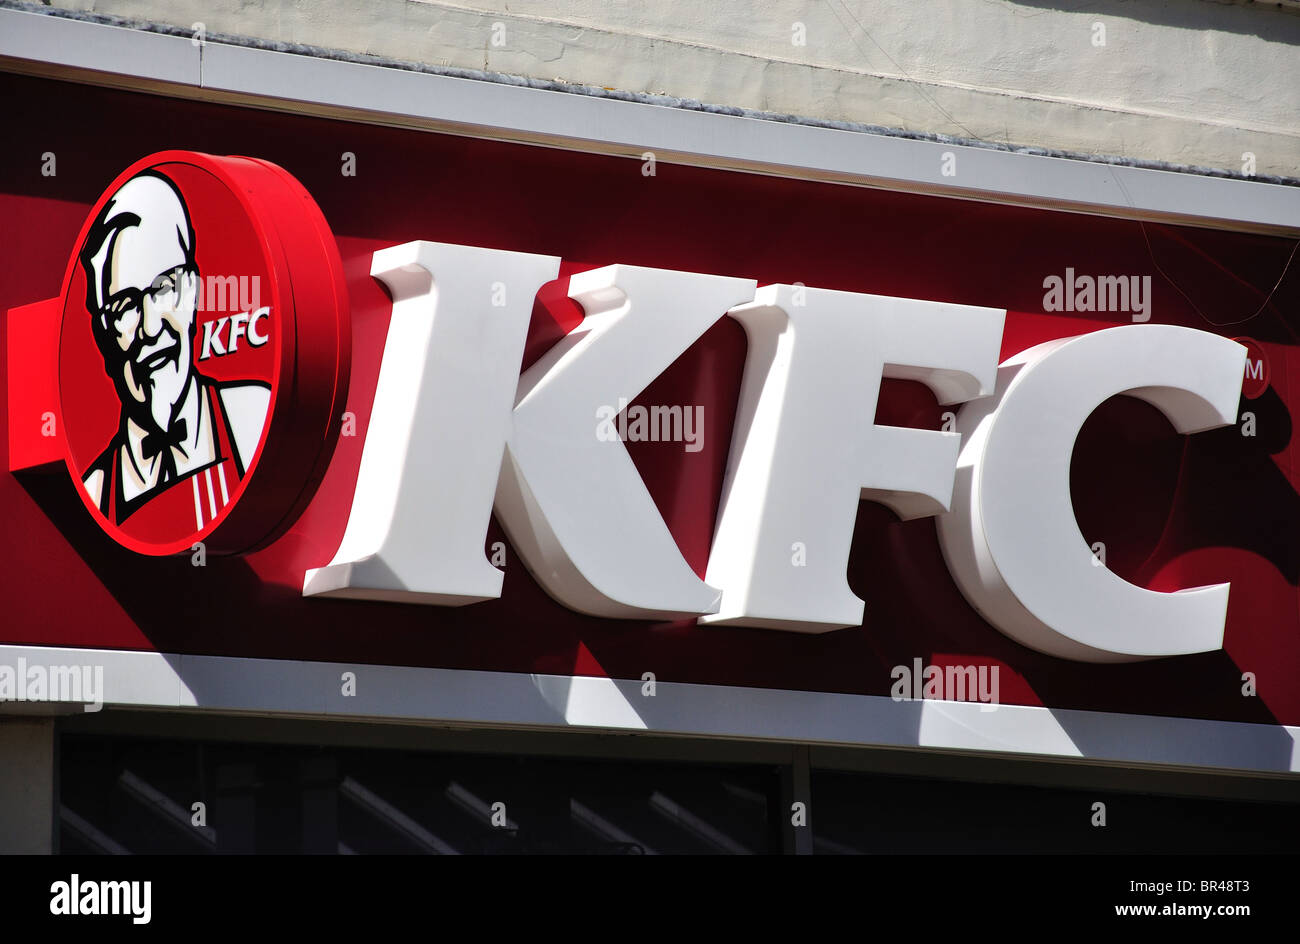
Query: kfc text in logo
{"type": "Point", "coordinates": [202, 337]}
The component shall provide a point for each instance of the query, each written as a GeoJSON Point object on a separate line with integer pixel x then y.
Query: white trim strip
{"type": "Point", "coordinates": [89, 834]}
{"type": "Point", "coordinates": [592, 821]}
{"type": "Point", "coordinates": [212, 499]}
{"type": "Point", "coordinates": [489, 109]}
{"type": "Point", "coordinates": [379, 807]}
{"type": "Point", "coordinates": [275, 687]}
{"type": "Point", "coordinates": [38, 37]}
{"type": "Point", "coordinates": [683, 818]}
{"type": "Point", "coordinates": [198, 503]}
{"type": "Point", "coordinates": [165, 808]}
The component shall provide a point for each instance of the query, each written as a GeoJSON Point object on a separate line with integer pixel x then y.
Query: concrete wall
{"type": "Point", "coordinates": [1191, 82]}
{"type": "Point", "coordinates": [28, 784]}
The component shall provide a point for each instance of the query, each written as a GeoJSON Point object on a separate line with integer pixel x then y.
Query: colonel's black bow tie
{"type": "Point", "coordinates": [160, 443]}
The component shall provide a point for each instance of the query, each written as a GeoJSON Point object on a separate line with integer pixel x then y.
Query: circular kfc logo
{"type": "Point", "coordinates": [203, 353]}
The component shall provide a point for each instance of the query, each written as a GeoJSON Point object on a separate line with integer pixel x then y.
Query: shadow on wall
{"type": "Point", "coordinates": [1275, 22]}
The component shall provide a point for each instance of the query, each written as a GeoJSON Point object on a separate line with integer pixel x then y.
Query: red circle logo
{"type": "Point", "coordinates": [203, 353]}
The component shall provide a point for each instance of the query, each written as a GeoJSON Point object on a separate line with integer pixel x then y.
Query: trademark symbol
{"type": "Point", "coordinates": [1255, 378]}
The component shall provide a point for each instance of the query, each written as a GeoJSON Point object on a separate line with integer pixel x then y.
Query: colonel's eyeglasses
{"type": "Point", "coordinates": [163, 292]}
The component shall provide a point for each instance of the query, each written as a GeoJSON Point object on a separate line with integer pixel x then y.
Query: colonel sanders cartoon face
{"type": "Point", "coordinates": [142, 289]}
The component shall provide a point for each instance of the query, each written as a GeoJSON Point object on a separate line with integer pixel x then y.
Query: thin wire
{"type": "Point", "coordinates": [1224, 324]}
{"type": "Point", "coordinates": [1196, 308]}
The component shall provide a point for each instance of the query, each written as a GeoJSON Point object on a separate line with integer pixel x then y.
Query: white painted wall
{"type": "Point", "coordinates": [1186, 81]}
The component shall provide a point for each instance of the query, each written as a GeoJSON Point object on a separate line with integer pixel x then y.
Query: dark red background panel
{"type": "Point", "coordinates": [1173, 511]}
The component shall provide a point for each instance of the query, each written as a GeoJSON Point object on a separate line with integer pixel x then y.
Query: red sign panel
{"type": "Point", "coordinates": [1171, 511]}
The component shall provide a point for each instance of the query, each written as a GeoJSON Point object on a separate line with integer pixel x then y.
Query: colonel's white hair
{"type": "Point", "coordinates": [150, 204]}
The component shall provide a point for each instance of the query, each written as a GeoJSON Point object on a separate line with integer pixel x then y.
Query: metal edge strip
{"type": "Point", "coordinates": [271, 687]}
{"type": "Point", "coordinates": [60, 47]}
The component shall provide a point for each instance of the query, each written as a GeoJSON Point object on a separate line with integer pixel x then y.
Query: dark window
{"type": "Point", "coordinates": [871, 813]}
{"type": "Point", "coordinates": [139, 796]}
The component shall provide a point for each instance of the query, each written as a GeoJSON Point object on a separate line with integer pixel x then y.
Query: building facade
{"type": "Point", "coordinates": [526, 441]}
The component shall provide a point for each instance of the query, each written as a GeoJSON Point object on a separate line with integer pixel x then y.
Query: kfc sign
{"type": "Point", "coordinates": [172, 440]}
{"type": "Point", "coordinates": [177, 431]}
